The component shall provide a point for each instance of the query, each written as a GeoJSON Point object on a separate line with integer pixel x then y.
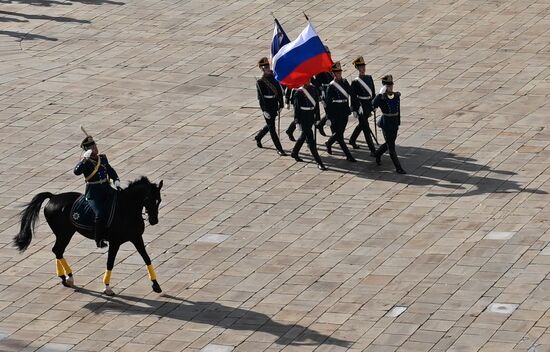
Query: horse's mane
{"type": "Point", "coordinates": [143, 180]}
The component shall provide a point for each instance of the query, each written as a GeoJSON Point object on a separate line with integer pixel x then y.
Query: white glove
{"type": "Point", "coordinates": [355, 114]}
{"type": "Point", "coordinates": [87, 154]}
{"type": "Point", "coordinates": [298, 127]}
{"type": "Point", "coordinates": [117, 184]}
{"type": "Point", "coordinates": [266, 115]}
{"type": "Point", "coordinates": [324, 104]}
{"type": "Point", "coordinates": [383, 89]}
{"type": "Point", "coordinates": [288, 106]}
{"type": "Point", "coordinates": [280, 109]}
{"type": "Point", "coordinates": [360, 110]}
{"type": "Point", "coordinates": [329, 123]}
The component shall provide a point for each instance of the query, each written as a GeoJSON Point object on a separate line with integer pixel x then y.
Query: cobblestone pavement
{"type": "Point", "coordinates": [254, 251]}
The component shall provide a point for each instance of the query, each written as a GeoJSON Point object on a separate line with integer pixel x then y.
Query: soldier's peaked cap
{"type": "Point", "coordinates": [359, 61]}
{"type": "Point", "coordinates": [263, 62]}
{"type": "Point", "coordinates": [336, 67]}
{"type": "Point", "coordinates": [87, 142]}
{"type": "Point", "coordinates": [387, 79]}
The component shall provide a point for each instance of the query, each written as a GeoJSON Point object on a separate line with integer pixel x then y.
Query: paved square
{"type": "Point", "coordinates": [256, 252]}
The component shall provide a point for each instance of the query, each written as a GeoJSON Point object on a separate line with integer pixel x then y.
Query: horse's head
{"type": "Point", "coordinates": [152, 202]}
{"type": "Point", "coordinates": [142, 191]}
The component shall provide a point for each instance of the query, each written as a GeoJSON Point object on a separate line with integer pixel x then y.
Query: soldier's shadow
{"type": "Point", "coordinates": [211, 313]}
{"type": "Point", "coordinates": [455, 176]}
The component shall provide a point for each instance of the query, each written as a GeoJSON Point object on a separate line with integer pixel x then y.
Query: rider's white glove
{"type": "Point", "coordinates": [87, 154]}
{"type": "Point", "coordinates": [117, 184]}
{"type": "Point", "coordinates": [355, 114]}
{"type": "Point", "coordinates": [266, 115]}
{"type": "Point", "coordinates": [383, 89]}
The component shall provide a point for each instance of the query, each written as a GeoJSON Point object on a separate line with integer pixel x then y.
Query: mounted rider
{"type": "Point", "coordinates": [97, 174]}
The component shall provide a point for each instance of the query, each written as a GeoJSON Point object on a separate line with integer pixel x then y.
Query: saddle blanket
{"type": "Point", "coordinates": [83, 216]}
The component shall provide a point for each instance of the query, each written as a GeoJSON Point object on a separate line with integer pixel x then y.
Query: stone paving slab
{"type": "Point", "coordinates": [255, 252]}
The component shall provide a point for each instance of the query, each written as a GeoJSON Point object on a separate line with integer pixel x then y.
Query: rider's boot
{"type": "Point", "coordinates": [100, 235]}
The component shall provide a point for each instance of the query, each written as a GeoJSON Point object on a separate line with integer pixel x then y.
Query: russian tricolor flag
{"type": "Point", "coordinates": [295, 63]}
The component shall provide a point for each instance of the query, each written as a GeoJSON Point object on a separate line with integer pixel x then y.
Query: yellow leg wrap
{"type": "Point", "coordinates": [151, 271]}
{"type": "Point", "coordinates": [107, 277]}
{"type": "Point", "coordinates": [66, 266]}
{"type": "Point", "coordinates": [59, 268]}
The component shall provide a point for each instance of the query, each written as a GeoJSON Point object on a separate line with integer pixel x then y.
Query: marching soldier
{"type": "Point", "coordinates": [306, 112]}
{"type": "Point", "coordinates": [338, 110]}
{"type": "Point", "coordinates": [322, 81]}
{"type": "Point", "coordinates": [389, 102]}
{"type": "Point", "coordinates": [289, 97]}
{"type": "Point", "coordinates": [270, 96]}
{"type": "Point", "coordinates": [97, 172]}
{"type": "Point", "coordinates": [363, 89]}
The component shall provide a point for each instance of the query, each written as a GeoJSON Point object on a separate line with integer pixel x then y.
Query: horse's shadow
{"type": "Point", "coordinates": [212, 313]}
{"type": "Point", "coordinates": [462, 176]}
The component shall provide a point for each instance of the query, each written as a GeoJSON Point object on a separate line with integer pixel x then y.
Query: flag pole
{"type": "Point", "coordinates": [307, 18]}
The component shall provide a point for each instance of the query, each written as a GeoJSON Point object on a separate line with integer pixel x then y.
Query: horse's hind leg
{"type": "Point", "coordinates": [63, 269]}
{"type": "Point", "coordinates": [140, 246]}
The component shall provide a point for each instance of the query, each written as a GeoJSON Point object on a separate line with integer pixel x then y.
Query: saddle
{"type": "Point", "coordinates": [83, 216]}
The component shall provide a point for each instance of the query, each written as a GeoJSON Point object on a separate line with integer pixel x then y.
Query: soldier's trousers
{"type": "Point", "coordinates": [338, 127]}
{"type": "Point", "coordinates": [363, 125]}
{"type": "Point", "coordinates": [390, 135]}
{"type": "Point", "coordinates": [307, 136]}
{"type": "Point", "coordinates": [98, 196]}
{"type": "Point", "coordinates": [291, 128]}
{"type": "Point", "coordinates": [270, 127]}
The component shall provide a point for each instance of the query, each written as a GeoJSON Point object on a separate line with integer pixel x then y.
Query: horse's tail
{"type": "Point", "coordinates": [29, 216]}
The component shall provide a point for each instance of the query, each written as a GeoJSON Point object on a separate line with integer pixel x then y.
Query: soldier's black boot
{"type": "Point", "coordinates": [320, 126]}
{"type": "Point", "coordinates": [397, 164]}
{"type": "Point", "coordinates": [317, 158]}
{"type": "Point", "coordinates": [258, 142]}
{"type": "Point", "coordinates": [353, 137]}
{"type": "Point", "coordinates": [100, 235]}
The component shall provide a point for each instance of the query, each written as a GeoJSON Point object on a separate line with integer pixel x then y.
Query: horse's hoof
{"type": "Point", "coordinates": [65, 283]}
{"type": "Point", "coordinates": [156, 287]}
{"type": "Point", "coordinates": [70, 282]}
{"type": "Point", "coordinates": [108, 291]}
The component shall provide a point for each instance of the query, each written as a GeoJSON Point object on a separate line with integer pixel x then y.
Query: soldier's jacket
{"type": "Point", "coordinates": [337, 103]}
{"type": "Point", "coordinates": [87, 167]}
{"type": "Point", "coordinates": [270, 93]}
{"type": "Point", "coordinates": [321, 81]}
{"type": "Point", "coordinates": [364, 97]}
{"type": "Point", "coordinates": [391, 110]}
{"type": "Point", "coordinates": [306, 113]}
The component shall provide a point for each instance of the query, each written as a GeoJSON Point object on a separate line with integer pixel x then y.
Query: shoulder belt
{"type": "Point", "coordinates": [339, 87]}
{"type": "Point", "coordinates": [270, 86]}
{"type": "Point", "coordinates": [367, 88]}
{"type": "Point", "coordinates": [96, 169]}
{"type": "Point", "coordinates": [308, 95]}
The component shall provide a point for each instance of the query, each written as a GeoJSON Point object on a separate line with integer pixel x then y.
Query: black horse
{"type": "Point", "coordinates": [127, 225]}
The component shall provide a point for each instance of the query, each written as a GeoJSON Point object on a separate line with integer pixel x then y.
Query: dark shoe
{"type": "Point", "coordinates": [378, 161]}
{"type": "Point", "coordinates": [290, 136]}
{"type": "Point", "coordinates": [101, 243]}
{"type": "Point", "coordinates": [281, 152]}
{"type": "Point", "coordinates": [321, 130]}
{"type": "Point", "coordinates": [354, 145]}
{"type": "Point", "coordinates": [401, 171]}
{"type": "Point", "coordinates": [258, 142]}
{"type": "Point", "coordinates": [329, 148]}
{"type": "Point", "coordinates": [296, 157]}
{"type": "Point", "coordinates": [351, 159]}
{"type": "Point", "coordinates": [321, 167]}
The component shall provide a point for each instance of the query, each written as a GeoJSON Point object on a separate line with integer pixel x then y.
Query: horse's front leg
{"type": "Point", "coordinates": [113, 250]}
{"type": "Point", "coordinates": [140, 246]}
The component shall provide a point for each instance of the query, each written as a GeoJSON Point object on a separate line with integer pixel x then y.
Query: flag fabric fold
{"type": "Point", "coordinates": [296, 62]}
{"type": "Point", "coordinates": [279, 40]}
